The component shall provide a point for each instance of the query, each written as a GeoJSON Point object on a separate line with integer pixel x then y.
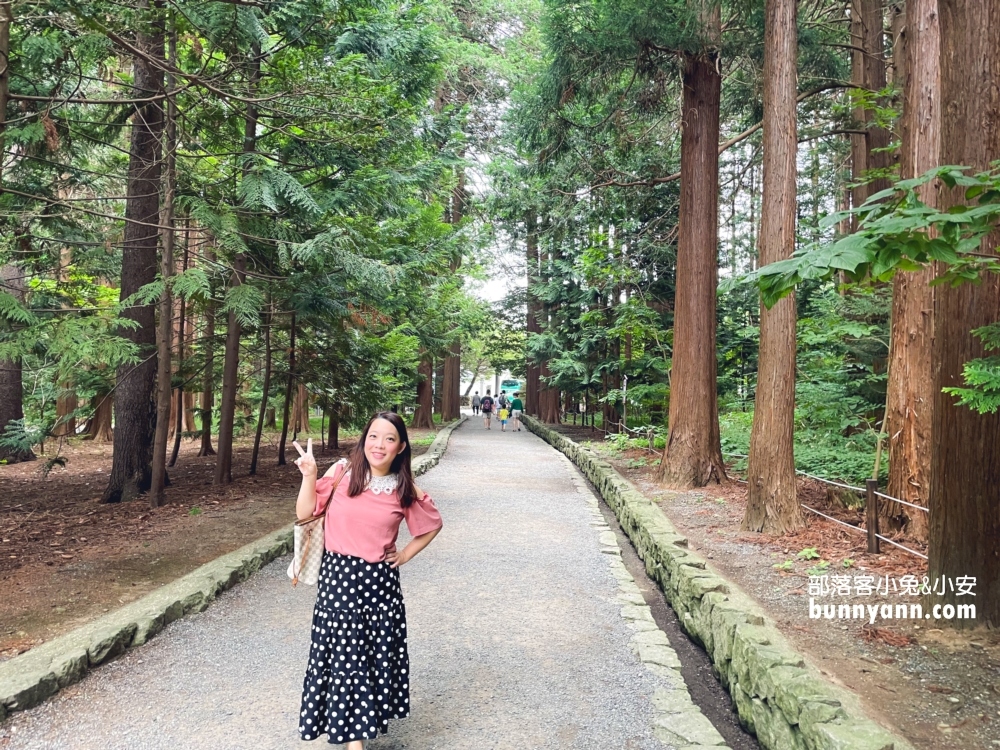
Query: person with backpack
{"type": "Point", "coordinates": [502, 400]}
{"type": "Point", "coordinates": [486, 407]}
{"type": "Point", "coordinates": [475, 403]}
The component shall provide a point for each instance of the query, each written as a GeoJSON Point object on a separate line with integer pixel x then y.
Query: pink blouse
{"type": "Point", "coordinates": [367, 525]}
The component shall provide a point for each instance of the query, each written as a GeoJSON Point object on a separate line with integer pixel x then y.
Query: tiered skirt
{"type": "Point", "coordinates": [358, 673]}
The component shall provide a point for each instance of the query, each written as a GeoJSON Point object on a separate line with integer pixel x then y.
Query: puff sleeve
{"type": "Point", "coordinates": [325, 486]}
{"type": "Point", "coordinates": [422, 516]}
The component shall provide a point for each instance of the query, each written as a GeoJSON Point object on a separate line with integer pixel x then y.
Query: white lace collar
{"type": "Point", "coordinates": [384, 485]}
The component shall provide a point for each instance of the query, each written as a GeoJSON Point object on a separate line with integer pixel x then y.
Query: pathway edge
{"type": "Point", "coordinates": [784, 702]}
{"type": "Point", "coordinates": [38, 674]}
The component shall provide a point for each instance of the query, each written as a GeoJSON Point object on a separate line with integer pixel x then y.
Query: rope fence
{"type": "Point", "coordinates": [872, 496]}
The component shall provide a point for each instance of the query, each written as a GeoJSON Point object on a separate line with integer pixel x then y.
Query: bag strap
{"type": "Point", "coordinates": [332, 492]}
{"type": "Point", "coordinates": [309, 537]}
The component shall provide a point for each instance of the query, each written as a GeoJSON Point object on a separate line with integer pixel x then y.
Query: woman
{"type": "Point", "coordinates": [358, 673]}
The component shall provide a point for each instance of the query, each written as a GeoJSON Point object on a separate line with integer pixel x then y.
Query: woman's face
{"type": "Point", "coordinates": [382, 445]}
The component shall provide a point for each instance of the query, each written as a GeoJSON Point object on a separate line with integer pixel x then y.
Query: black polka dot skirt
{"type": "Point", "coordinates": [358, 674]}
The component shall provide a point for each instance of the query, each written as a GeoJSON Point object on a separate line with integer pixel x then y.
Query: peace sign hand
{"type": "Point", "coordinates": [306, 461]}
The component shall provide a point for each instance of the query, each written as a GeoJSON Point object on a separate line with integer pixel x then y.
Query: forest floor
{"type": "Point", "coordinates": [66, 559]}
{"type": "Point", "coordinates": [938, 687]}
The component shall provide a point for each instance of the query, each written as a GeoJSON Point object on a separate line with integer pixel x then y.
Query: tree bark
{"type": "Point", "coordinates": [11, 386]}
{"type": "Point", "coordinates": [532, 383]}
{"type": "Point", "coordinates": [548, 397]}
{"type": "Point", "coordinates": [451, 382]}
{"type": "Point", "coordinates": [423, 416]}
{"type": "Point", "coordinates": [164, 395]}
{"type": "Point", "coordinates": [208, 384]}
{"type": "Point", "coordinates": [451, 405]}
{"type": "Point", "coordinates": [910, 389]}
{"type": "Point", "coordinates": [135, 405]}
{"type": "Point", "coordinates": [438, 384]}
{"type": "Point", "coordinates": [100, 424]}
{"type": "Point", "coordinates": [877, 139]}
{"type": "Point", "coordinates": [333, 438]}
{"type": "Point", "coordinates": [288, 395]}
{"type": "Point", "coordinates": [693, 454]}
{"type": "Point", "coordinates": [66, 405]}
{"type": "Point", "coordinates": [12, 277]}
{"type": "Point", "coordinates": [183, 398]}
{"type": "Point", "coordinates": [230, 385]}
{"type": "Point", "coordinates": [265, 390]}
{"type": "Point", "coordinates": [965, 456]}
{"type": "Point", "coordinates": [300, 419]}
{"type": "Point", "coordinates": [859, 149]}
{"type": "Point", "coordinates": [773, 506]}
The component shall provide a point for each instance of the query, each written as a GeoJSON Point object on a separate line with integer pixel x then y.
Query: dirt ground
{"type": "Point", "coordinates": [65, 559]}
{"type": "Point", "coordinates": [938, 687]}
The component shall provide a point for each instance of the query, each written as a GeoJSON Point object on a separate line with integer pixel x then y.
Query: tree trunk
{"type": "Point", "coordinates": [423, 417]}
{"type": "Point", "coordinates": [301, 418]}
{"type": "Point", "coordinates": [100, 423]}
{"type": "Point", "coordinates": [438, 384]}
{"type": "Point", "coordinates": [164, 396]}
{"type": "Point", "coordinates": [451, 382]}
{"type": "Point", "coordinates": [773, 506]}
{"type": "Point", "coordinates": [859, 150]}
{"type": "Point", "coordinates": [333, 438]}
{"type": "Point", "coordinates": [532, 384]}
{"type": "Point", "coordinates": [548, 397]}
{"type": "Point", "coordinates": [66, 405]}
{"type": "Point", "coordinates": [693, 454]}
{"type": "Point", "coordinates": [183, 398]}
{"type": "Point", "coordinates": [230, 385]}
{"type": "Point", "coordinates": [965, 457]}
{"type": "Point", "coordinates": [877, 139]}
{"type": "Point", "coordinates": [208, 384]}
{"type": "Point", "coordinates": [135, 405]}
{"type": "Point", "coordinates": [451, 405]}
{"type": "Point", "coordinates": [288, 395]}
{"type": "Point", "coordinates": [265, 390]}
{"type": "Point", "coordinates": [910, 390]}
{"type": "Point", "coordinates": [11, 386]}
{"type": "Point", "coordinates": [12, 277]}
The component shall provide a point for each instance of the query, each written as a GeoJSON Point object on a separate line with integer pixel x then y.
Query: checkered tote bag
{"type": "Point", "coordinates": [309, 545]}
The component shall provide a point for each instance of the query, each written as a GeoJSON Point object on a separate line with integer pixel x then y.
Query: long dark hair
{"type": "Point", "coordinates": [361, 472]}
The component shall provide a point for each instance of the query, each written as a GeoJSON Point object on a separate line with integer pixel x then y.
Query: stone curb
{"type": "Point", "coordinates": [779, 698]}
{"type": "Point", "coordinates": [677, 721]}
{"type": "Point", "coordinates": [32, 677]}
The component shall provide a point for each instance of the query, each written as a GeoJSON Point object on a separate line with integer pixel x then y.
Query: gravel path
{"type": "Point", "coordinates": [515, 633]}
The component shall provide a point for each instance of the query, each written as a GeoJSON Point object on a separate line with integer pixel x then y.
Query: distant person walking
{"type": "Point", "coordinates": [486, 405]}
{"type": "Point", "coordinates": [358, 673]}
{"type": "Point", "coordinates": [475, 403]}
{"type": "Point", "coordinates": [516, 410]}
{"type": "Point", "coordinates": [502, 415]}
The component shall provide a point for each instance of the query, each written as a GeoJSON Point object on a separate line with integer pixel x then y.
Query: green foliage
{"type": "Point", "coordinates": [821, 568]}
{"type": "Point", "coordinates": [809, 553]}
{"type": "Point", "coordinates": [982, 376]}
{"type": "Point", "coordinates": [898, 231]}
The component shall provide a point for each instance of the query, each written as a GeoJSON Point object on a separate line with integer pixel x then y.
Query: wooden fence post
{"type": "Point", "coordinates": [871, 512]}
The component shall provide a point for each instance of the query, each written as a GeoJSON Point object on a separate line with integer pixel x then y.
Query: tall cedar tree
{"type": "Point", "coordinates": [135, 403]}
{"type": "Point", "coordinates": [773, 506]}
{"type": "Point", "coordinates": [910, 389]}
{"type": "Point", "coordinates": [693, 454]}
{"type": "Point", "coordinates": [965, 459]}
{"type": "Point", "coordinates": [532, 382]}
{"type": "Point", "coordinates": [12, 277]}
